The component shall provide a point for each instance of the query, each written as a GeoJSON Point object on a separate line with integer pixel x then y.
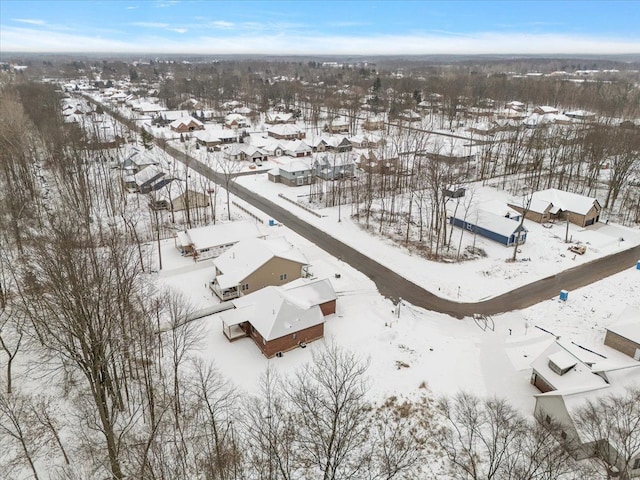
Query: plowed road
{"type": "Point", "coordinates": [394, 286]}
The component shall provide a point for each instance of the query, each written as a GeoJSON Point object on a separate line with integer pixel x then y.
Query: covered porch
{"type": "Point", "coordinates": [234, 331]}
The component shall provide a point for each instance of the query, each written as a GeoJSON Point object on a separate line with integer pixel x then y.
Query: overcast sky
{"type": "Point", "coordinates": [327, 27]}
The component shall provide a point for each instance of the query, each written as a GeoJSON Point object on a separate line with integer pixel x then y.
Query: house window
{"type": "Point", "coordinates": [300, 180]}
{"type": "Point", "coordinates": [244, 287]}
{"type": "Point", "coordinates": [283, 276]}
{"type": "Point", "coordinates": [469, 226]}
{"type": "Point", "coordinates": [636, 464]}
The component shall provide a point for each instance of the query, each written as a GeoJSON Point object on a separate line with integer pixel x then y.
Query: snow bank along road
{"type": "Point", "coordinates": [394, 286]}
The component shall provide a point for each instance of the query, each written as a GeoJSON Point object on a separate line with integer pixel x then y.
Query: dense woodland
{"type": "Point", "coordinates": [99, 375]}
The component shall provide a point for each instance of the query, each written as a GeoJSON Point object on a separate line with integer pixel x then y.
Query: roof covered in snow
{"type": "Point", "coordinates": [278, 311]}
{"type": "Point", "coordinates": [628, 325]}
{"type": "Point", "coordinates": [220, 234]}
{"type": "Point", "coordinates": [247, 256]}
{"type": "Point", "coordinates": [566, 201]}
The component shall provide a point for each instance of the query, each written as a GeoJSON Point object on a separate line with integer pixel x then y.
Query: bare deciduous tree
{"type": "Point", "coordinates": [328, 397]}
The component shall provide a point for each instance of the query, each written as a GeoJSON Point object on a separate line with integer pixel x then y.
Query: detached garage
{"type": "Point", "coordinates": [624, 335]}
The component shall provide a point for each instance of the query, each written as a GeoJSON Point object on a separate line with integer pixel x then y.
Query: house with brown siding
{"type": "Point", "coordinates": [557, 204]}
{"type": "Point", "coordinates": [285, 132]}
{"type": "Point", "coordinates": [624, 334]}
{"type": "Point", "coordinates": [256, 263]}
{"type": "Point", "coordinates": [186, 124]}
{"type": "Point", "coordinates": [279, 319]}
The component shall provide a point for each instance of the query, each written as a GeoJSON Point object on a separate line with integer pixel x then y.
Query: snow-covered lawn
{"type": "Point", "coordinates": [545, 250]}
{"type": "Point", "coordinates": [433, 350]}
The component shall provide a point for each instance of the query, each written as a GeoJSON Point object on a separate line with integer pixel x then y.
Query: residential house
{"type": "Point", "coordinates": [214, 138]}
{"type": "Point", "coordinates": [168, 116]}
{"type": "Point", "coordinates": [186, 124]}
{"type": "Point", "coordinates": [337, 125]}
{"type": "Point", "coordinates": [337, 144]}
{"type": "Point", "coordinates": [253, 264]}
{"type": "Point", "coordinates": [138, 159]}
{"type": "Point", "coordinates": [209, 242]}
{"type": "Point", "coordinates": [515, 105]}
{"type": "Point", "coordinates": [370, 163]}
{"type": "Point", "coordinates": [554, 204]}
{"type": "Point", "coordinates": [334, 166]}
{"type": "Point", "coordinates": [511, 114]}
{"type": "Point", "coordinates": [297, 148]}
{"type": "Point", "coordinates": [373, 123]}
{"type": "Point", "coordinates": [565, 366]}
{"type": "Point", "coordinates": [241, 151]}
{"type": "Point", "coordinates": [176, 196]}
{"type": "Point", "coordinates": [451, 151]}
{"type": "Point", "coordinates": [148, 180]}
{"type": "Point", "coordinates": [409, 116]}
{"type": "Point", "coordinates": [294, 173]}
{"type": "Point", "coordinates": [235, 120]}
{"type": "Point", "coordinates": [281, 318]}
{"type": "Point", "coordinates": [570, 376]}
{"type": "Point", "coordinates": [624, 334]}
{"type": "Point", "coordinates": [500, 229]}
{"type": "Point", "coordinates": [286, 132]}
{"type": "Point", "coordinates": [279, 118]}
{"type": "Point", "coordinates": [545, 110]}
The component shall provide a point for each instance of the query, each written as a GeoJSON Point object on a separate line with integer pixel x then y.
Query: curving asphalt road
{"type": "Point", "coordinates": [394, 286]}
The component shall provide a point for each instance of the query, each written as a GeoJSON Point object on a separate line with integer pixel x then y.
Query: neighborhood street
{"type": "Point", "coordinates": [394, 286]}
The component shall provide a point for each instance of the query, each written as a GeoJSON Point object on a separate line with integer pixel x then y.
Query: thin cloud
{"type": "Point", "coordinates": [166, 3]}
{"type": "Point", "coordinates": [25, 39]}
{"type": "Point", "coordinates": [30, 21]}
{"type": "Point", "coordinates": [150, 24]}
{"type": "Point", "coordinates": [132, 8]}
{"type": "Point", "coordinates": [178, 30]}
{"type": "Point", "coordinates": [222, 25]}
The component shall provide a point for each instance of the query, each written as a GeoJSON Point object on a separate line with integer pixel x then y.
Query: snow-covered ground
{"type": "Point", "coordinates": [408, 347]}
{"type": "Point", "coordinates": [545, 250]}
{"type": "Point", "coordinates": [433, 350]}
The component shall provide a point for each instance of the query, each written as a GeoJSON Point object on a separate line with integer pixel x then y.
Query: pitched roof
{"type": "Point", "coordinates": [284, 129]}
{"type": "Point", "coordinates": [628, 324]}
{"type": "Point", "coordinates": [247, 256]}
{"type": "Point", "coordinates": [273, 312]}
{"type": "Point", "coordinates": [567, 201]}
{"type": "Point", "coordinates": [186, 121]}
{"type": "Point", "coordinates": [569, 356]}
{"type": "Point", "coordinates": [220, 234]}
